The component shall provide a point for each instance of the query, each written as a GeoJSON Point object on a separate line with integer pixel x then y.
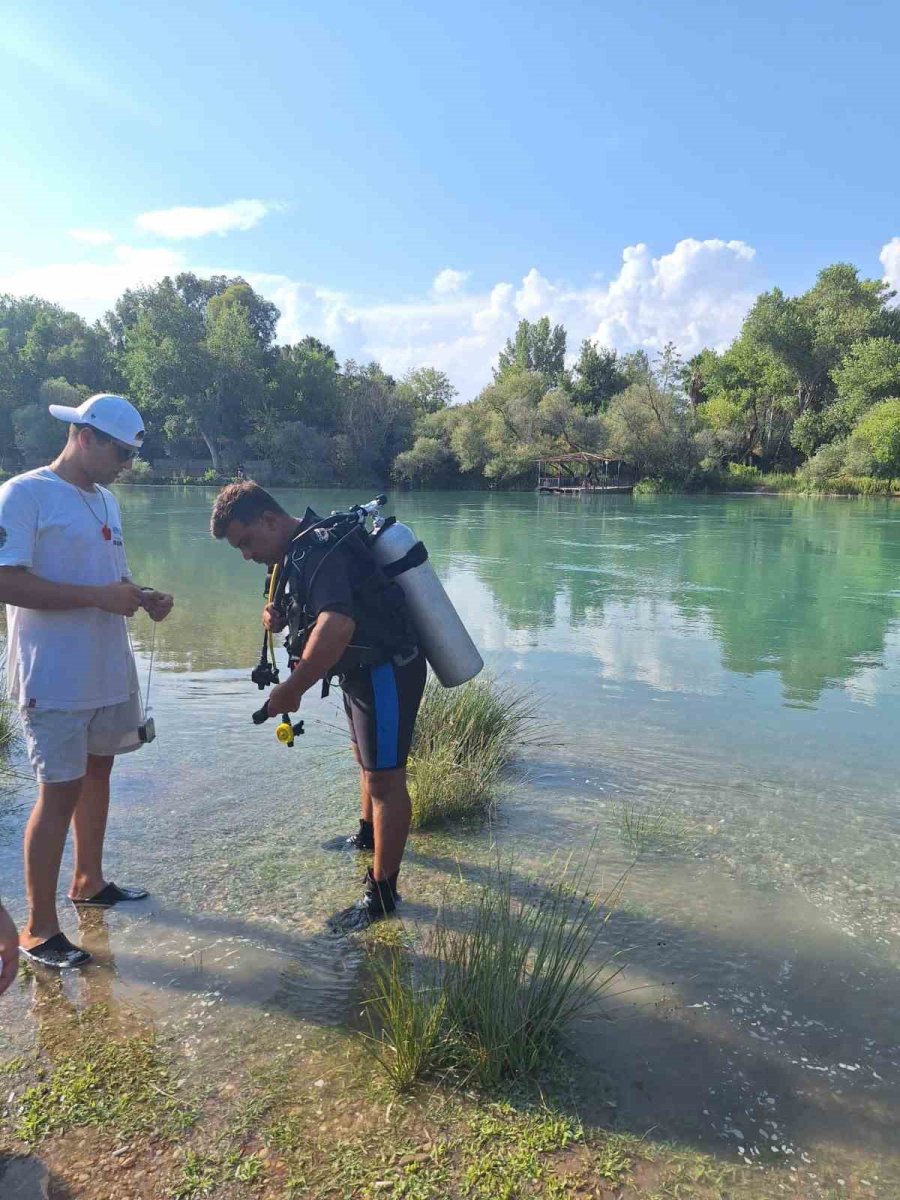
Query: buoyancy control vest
{"type": "Point", "coordinates": [384, 629]}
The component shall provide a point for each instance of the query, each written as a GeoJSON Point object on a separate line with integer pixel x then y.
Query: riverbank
{"type": "Point", "coordinates": [122, 1113]}
{"type": "Point", "coordinates": [735, 480]}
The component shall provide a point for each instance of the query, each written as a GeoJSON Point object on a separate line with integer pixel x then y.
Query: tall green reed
{"type": "Point", "coordinates": [489, 999]}
{"type": "Point", "coordinates": [464, 740]}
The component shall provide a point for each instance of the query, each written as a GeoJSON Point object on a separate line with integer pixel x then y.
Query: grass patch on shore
{"type": "Point", "coordinates": [489, 1000]}
{"type": "Point", "coordinates": [465, 739]}
{"type": "Point", "coordinates": [103, 1079]}
{"type": "Point", "coordinates": [324, 1126]}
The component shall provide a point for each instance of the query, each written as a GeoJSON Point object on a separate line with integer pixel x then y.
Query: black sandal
{"type": "Point", "coordinates": [57, 952]}
{"type": "Point", "coordinates": [110, 895]}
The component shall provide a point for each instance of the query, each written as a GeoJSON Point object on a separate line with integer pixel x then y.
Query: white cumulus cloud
{"type": "Point", "coordinates": [187, 222]}
{"type": "Point", "coordinates": [695, 295]}
{"type": "Point", "coordinates": [448, 282]}
{"type": "Point", "coordinates": [91, 288]}
{"type": "Point", "coordinates": [92, 237]}
{"type": "Point", "coordinates": [890, 260]}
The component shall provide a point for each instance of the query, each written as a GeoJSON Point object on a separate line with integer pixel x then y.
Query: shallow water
{"type": "Point", "coordinates": [729, 668]}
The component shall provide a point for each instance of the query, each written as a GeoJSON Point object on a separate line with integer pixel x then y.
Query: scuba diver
{"type": "Point", "coordinates": [346, 620]}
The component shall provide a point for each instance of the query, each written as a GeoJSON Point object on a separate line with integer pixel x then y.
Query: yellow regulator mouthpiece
{"type": "Point", "coordinates": [285, 733]}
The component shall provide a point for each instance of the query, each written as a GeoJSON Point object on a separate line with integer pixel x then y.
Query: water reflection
{"type": "Point", "coordinates": [803, 588]}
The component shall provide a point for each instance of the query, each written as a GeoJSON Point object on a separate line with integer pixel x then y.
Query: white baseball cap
{"type": "Point", "coordinates": [112, 415]}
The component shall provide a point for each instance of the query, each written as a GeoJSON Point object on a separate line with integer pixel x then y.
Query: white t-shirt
{"type": "Point", "coordinates": [80, 657]}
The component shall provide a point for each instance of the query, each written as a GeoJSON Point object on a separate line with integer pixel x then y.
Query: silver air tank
{"type": "Point", "coordinates": [445, 640]}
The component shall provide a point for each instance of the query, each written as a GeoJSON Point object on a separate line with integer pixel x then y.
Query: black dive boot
{"type": "Point", "coordinates": [363, 839]}
{"type": "Point", "coordinates": [379, 900]}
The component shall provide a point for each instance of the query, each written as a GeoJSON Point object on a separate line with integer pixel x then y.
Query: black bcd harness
{"type": "Point", "coordinates": [384, 630]}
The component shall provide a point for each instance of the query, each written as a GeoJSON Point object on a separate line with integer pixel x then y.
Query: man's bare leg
{"type": "Point", "coordinates": [45, 839]}
{"type": "Point", "coordinates": [89, 825]}
{"type": "Point", "coordinates": [365, 798]}
{"type": "Point", "coordinates": [392, 813]}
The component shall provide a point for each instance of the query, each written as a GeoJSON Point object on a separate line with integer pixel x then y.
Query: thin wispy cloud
{"type": "Point", "coordinates": [32, 44]}
{"type": "Point", "coordinates": [196, 222]}
{"type": "Point", "coordinates": [92, 237]}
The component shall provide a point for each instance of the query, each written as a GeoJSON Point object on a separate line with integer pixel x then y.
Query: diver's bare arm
{"type": "Point", "coordinates": [327, 641]}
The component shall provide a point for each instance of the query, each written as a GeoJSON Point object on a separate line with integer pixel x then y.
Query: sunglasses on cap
{"type": "Point", "coordinates": [123, 452]}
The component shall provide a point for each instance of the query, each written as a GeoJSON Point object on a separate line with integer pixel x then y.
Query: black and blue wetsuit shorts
{"type": "Point", "coordinates": [381, 704]}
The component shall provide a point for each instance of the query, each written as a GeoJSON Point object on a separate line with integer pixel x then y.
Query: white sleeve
{"type": "Point", "coordinates": [19, 521]}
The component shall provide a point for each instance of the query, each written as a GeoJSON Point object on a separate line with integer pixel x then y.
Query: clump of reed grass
{"type": "Point", "coordinates": [490, 1000]}
{"type": "Point", "coordinates": [655, 828]}
{"type": "Point", "coordinates": [414, 1039]}
{"type": "Point", "coordinates": [465, 739]}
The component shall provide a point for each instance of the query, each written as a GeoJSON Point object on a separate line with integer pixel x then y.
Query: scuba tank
{"type": "Point", "coordinates": [445, 640]}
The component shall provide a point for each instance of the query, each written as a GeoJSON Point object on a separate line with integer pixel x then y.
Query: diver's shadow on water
{"type": "Point", "coordinates": [748, 1054]}
{"type": "Point", "coordinates": [770, 1042]}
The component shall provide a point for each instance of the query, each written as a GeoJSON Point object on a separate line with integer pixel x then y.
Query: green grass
{"type": "Point", "coordinates": [98, 1079]}
{"type": "Point", "coordinates": [489, 1001]}
{"type": "Point", "coordinates": [465, 739]}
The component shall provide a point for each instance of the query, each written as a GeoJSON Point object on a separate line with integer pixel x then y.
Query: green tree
{"type": "Point", "coordinates": [810, 335]}
{"type": "Point", "coordinates": [869, 372]}
{"type": "Point", "coordinates": [536, 347]}
{"type": "Point", "coordinates": [650, 426]}
{"type": "Point", "coordinates": [429, 463]}
{"type": "Point", "coordinates": [597, 377]}
{"type": "Point", "coordinates": [377, 424]}
{"type": "Point", "coordinates": [745, 399]}
{"type": "Point", "coordinates": [196, 354]}
{"type": "Point", "coordinates": [426, 390]}
{"type": "Point", "coordinates": [38, 436]}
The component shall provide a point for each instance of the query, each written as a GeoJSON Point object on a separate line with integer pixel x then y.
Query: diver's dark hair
{"type": "Point", "coordinates": [245, 502]}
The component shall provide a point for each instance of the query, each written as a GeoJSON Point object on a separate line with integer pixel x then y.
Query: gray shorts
{"type": "Point", "coordinates": [59, 742]}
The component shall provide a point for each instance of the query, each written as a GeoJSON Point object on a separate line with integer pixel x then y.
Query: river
{"type": "Point", "coordinates": [721, 673]}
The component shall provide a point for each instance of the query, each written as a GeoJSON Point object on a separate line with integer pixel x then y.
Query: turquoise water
{"type": "Point", "coordinates": [719, 682]}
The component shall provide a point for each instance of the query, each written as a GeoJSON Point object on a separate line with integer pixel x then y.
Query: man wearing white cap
{"type": "Point", "coordinates": [65, 580]}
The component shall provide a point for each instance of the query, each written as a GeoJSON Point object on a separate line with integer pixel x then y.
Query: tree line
{"type": "Point", "coordinates": [811, 384]}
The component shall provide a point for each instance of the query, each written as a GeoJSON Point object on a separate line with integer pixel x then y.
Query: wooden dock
{"type": "Point", "coordinates": [549, 489]}
{"type": "Point", "coordinates": [582, 474]}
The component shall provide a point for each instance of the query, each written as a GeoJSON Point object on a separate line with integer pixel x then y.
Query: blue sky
{"type": "Point", "coordinates": [415, 178]}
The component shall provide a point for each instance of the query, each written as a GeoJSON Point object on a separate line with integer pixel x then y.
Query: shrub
{"type": "Point", "coordinates": [740, 476]}
{"type": "Point", "coordinates": [781, 481]}
{"type": "Point", "coordinates": [465, 737]}
{"type": "Point", "coordinates": [825, 464]}
{"type": "Point", "coordinates": [860, 485]}
{"type": "Point", "coordinates": [879, 430]}
{"type": "Point", "coordinates": [428, 464]}
{"type": "Point", "coordinates": [140, 471]}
